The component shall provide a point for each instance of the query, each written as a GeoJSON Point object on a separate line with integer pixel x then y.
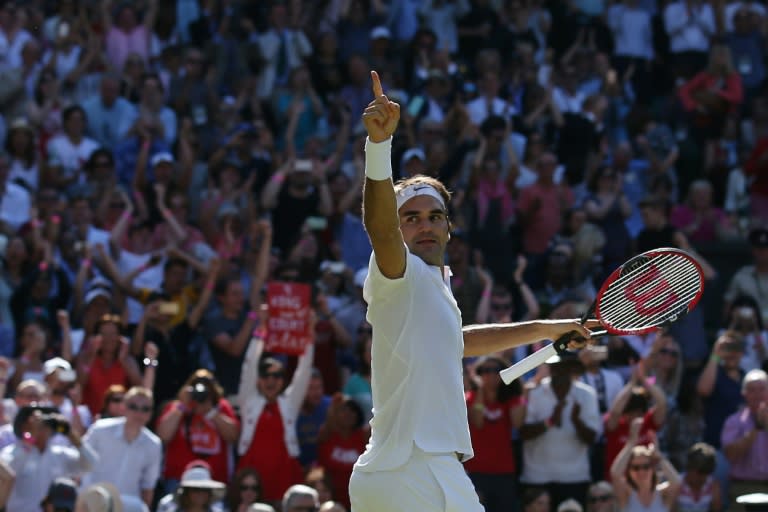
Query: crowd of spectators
{"type": "Point", "coordinates": [164, 161]}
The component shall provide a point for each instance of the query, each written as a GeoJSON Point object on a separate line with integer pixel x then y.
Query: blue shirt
{"type": "Point", "coordinates": [307, 429]}
{"type": "Point", "coordinates": [108, 125]}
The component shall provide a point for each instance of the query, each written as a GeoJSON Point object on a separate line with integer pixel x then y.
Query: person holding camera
{"type": "Point", "coordinates": [200, 424]}
{"type": "Point", "coordinates": [36, 461]}
{"type": "Point", "coordinates": [745, 439]}
{"type": "Point", "coordinates": [744, 318]}
{"type": "Point", "coordinates": [127, 453]}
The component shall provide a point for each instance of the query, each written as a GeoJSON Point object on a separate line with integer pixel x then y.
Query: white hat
{"type": "Point", "coordinates": [162, 157]}
{"type": "Point", "coordinates": [260, 507]}
{"type": "Point", "coordinates": [381, 32]}
{"type": "Point", "coordinates": [100, 497]}
{"type": "Point", "coordinates": [360, 276]}
{"type": "Point", "coordinates": [57, 363]}
{"type": "Point", "coordinates": [198, 477]}
{"type": "Point", "coordinates": [414, 153]}
{"type": "Point", "coordinates": [334, 267]}
{"type": "Point", "coordinates": [96, 292]}
{"type": "Point", "coordinates": [570, 505]}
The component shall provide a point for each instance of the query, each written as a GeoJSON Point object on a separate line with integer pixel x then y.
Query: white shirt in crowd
{"type": "Point", "coordinates": [732, 8]}
{"type": "Point", "coordinates": [151, 278]}
{"type": "Point", "coordinates": [15, 204]}
{"type": "Point", "coordinates": [35, 471]}
{"type": "Point", "coordinates": [689, 30]}
{"type": "Point", "coordinates": [480, 108]}
{"type": "Point", "coordinates": [140, 460]}
{"type": "Point", "coordinates": [418, 389]}
{"type": "Point", "coordinates": [632, 31]}
{"type": "Point", "coordinates": [69, 156]}
{"type": "Point", "coordinates": [558, 455]}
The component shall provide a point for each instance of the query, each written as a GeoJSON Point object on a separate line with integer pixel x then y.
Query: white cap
{"type": "Point", "coordinates": [414, 153]}
{"type": "Point", "coordinates": [57, 363]}
{"type": "Point", "coordinates": [161, 158]}
{"type": "Point", "coordinates": [381, 32]}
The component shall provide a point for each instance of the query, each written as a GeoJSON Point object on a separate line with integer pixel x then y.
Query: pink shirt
{"type": "Point", "coordinates": [545, 223]}
{"type": "Point", "coordinates": [682, 217]}
{"type": "Point", "coordinates": [120, 44]}
{"type": "Point", "coordinates": [754, 465]}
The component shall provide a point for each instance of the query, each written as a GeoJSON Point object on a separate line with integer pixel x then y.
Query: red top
{"type": "Point", "coordinates": [756, 167]}
{"type": "Point", "coordinates": [99, 379]}
{"type": "Point", "coordinates": [616, 439]}
{"type": "Point", "coordinates": [492, 443]}
{"type": "Point", "coordinates": [269, 456]}
{"type": "Point", "coordinates": [337, 455]}
{"type": "Point", "coordinates": [197, 438]}
{"type": "Point", "coordinates": [729, 89]}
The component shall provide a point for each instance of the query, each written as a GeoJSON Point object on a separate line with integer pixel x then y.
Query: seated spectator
{"type": "Point", "coordinates": [127, 440]}
{"type": "Point", "coordinates": [268, 410]}
{"type": "Point", "coordinates": [744, 317]}
{"type": "Point", "coordinates": [103, 497]}
{"type": "Point", "coordinates": [243, 491]}
{"type": "Point", "coordinates": [535, 500]}
{"type": "Point", "coordinates": [664, 364]}
{"type": "Point", "coordinates": [61, 497]}
{"type": "Point", "coordinates": [300, 498]}
{"type": "Point", "coordinates": [745, 439]}
{"type": "Point", "coordinates": [698, 218]}
{"type": "Point", "coordinates": [601, 498]}
{"type": "Point", "coordinates": [634, 475]}
{"type": "Point", "coordinates": [197, 491]}
{"type": "Point", "coordinates": [320, 480]}
{"type": "Point", "coordinates": [64, 393]}
{"type": "Point", "coordinates": [199, 424]}
{"type": "Point", "coordinates": [684, 426]}
{"type": "Point", "coordinates": [36, 461]}
{"type": "Point", "coordinates": [698, 489]}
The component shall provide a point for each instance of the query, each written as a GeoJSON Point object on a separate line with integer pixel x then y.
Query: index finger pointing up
{"type": "Point", "coordinates": [377, 90]}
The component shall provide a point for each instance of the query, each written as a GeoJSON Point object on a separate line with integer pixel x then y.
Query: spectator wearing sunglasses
{"type": "Point", "coordinates": [635, 479]}
{"type": "Point", "coordinates": [600, 498]}
{"type": "Point", "coordinates": [243, 491]}
{"type": "Point", "coordinates": [269, 410]}
{"type": "Point", "coordinates": [128, 441]}
{"type": "Point", "coordinates": [494, 409]}
{"type": "Point", "coordinates": [300, 498]}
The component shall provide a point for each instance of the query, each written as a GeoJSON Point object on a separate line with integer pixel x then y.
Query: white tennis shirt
{"type": "Point", "coordinates": [417, 382]}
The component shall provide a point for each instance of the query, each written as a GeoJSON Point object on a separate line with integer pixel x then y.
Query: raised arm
{"type": "Point", "coordinates": [379, 205]}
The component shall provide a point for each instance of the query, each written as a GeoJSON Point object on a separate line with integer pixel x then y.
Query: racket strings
{"type": "Point", "coordinates": [683, 283]}
{"type": "Point", "coordinates": [662, 261]}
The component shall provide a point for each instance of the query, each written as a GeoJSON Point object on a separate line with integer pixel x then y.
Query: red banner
{"type": "Point", "coordinates": [288, 329]}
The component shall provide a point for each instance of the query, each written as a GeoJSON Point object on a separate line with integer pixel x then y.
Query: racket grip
{"type": "Point", "coordinates": [527, 364]}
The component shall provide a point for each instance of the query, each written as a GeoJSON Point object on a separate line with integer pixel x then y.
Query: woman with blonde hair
{"type": "Point", "coordinates": [635, 480]}
{"type": "Point", "coordinates": [711, 95]}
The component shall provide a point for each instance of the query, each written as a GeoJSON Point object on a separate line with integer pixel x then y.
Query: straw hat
{"type": "Point", "coordinates": [100, 497]}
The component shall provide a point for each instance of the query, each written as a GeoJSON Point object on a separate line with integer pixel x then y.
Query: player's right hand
{"type": "Point", "coordinates": [381, 116]}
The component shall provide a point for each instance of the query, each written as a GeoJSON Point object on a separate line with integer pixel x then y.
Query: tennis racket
{"type": "Point", "coordinates": [649, 291]}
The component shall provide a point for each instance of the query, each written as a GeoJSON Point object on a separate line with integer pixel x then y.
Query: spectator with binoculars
{"type": "Point", "coordinates": [36, 461]}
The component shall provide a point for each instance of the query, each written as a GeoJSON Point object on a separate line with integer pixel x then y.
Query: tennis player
{"type": "Point", "coordinates": [420, 433]}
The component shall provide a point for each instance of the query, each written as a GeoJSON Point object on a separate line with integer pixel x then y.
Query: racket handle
{"type": "Point", "coordinates": [527, 364]}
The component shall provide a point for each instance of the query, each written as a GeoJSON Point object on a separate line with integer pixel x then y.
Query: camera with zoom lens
{"type": "Point", "coordinates": [199, 392]}
{"type": "Point", "coordinates": [57, 423]}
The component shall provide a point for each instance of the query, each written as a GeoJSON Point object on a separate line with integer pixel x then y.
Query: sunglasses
{"type": "Point", "coordinates": [602, 498]}
{"type": "Point", "coordinates": [640, 467]}
{"type": "Point", "coordinates": [116, 399]}
{"type": "Point", "coordinates": [668, 352]}
{"type": "Point", "coordinates": [488, 369]}
{"type": "Point", "coordinates": [501, 306]}
{"type": "Point", "coordinates": [140, 408]}
{"type": "Point", "coordinates": [309, 508]}
{"type": "Point", "coordinates": [274, 375]}
{"type": "Point", "coordinates": [252, 488]}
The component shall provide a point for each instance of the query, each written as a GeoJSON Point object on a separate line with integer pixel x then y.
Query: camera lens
{"type": "Point", "coordinates": [199, 392]}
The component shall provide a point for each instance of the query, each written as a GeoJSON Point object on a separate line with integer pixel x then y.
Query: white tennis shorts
{"type": "Point", "coordinates": [426, 483]}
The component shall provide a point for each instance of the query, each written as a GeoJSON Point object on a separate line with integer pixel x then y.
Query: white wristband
{"type": "Point", "coordinates": [378, 159]}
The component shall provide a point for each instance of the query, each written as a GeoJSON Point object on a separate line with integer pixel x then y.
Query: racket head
{"type": "Point", "coordinates": [649, 291]}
